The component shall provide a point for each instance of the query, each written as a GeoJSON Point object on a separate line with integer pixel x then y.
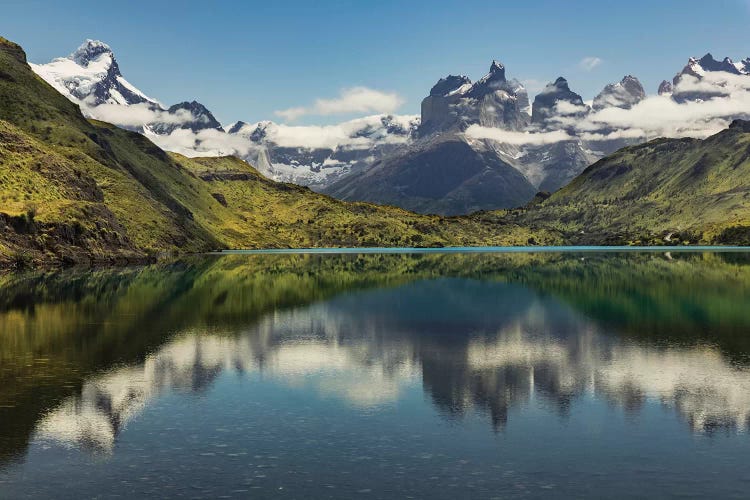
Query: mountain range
{"type": "Point", "coordinates": [74, 189]}
{"type": "Point", "coordinates": [476, 145]}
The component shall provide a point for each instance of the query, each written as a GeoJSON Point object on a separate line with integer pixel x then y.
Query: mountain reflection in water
{"type": "Point", "coordinates": [83, 354]}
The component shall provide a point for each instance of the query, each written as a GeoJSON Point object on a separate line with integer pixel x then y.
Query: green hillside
{"type": "Point", "coordinates": [664, 191]}
{"type": "Point", "coordinates": [73, 190]}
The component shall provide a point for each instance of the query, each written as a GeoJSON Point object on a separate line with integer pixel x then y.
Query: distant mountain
{"type": "Point", "coordinates": [706, 70]}
{"type": "Point", "coordinates": [454, 103]}
{"type": "Point", "coordinates": [444, 170]}
{"type": "Point", "coordinates": [557, 105]}
{"type": "Point", "coordinates": [279, 152]}
{"type": "Point", "coordinates": [196, 118]}
{"type": "Point", "coordinates": [624, 94]}
{"type": "Point", "coordinates": [444, 174]}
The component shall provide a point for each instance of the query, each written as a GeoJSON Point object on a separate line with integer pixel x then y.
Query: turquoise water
{"type": "Point", "coordinates": [433, 375]}
{"type": "Point", "coordinates": [513, 249]}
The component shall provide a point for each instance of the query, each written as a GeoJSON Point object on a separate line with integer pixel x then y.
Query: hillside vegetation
{"type": "Point", "coordinates": [664, 191]}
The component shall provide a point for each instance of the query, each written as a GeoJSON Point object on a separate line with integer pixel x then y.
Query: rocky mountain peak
{"type": "Point", "coordinates": [497, 69]}
{"type": "Point", "coordinates": [199, 118]}
{"type": "Point", "coordinates": [454, 103]}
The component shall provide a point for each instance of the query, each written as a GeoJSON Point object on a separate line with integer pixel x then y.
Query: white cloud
{"type": "Point", "coordinates": [533, 86]}
{"type": "Point", "coordinates": [569, 108]}
{"type": "Point", "coordinates": [347, 134]}
{"type": "Point", "coordinates": [662, 116]}
{"type": "Point", "coordinates": [517, 138]}
{"type": "Point", "coordinates": [135, 115]}
{"type": "Point", "coordinates": [589, 63]}
{"type": "Point", "coordinates": [208, 142]}
{"type": "Point", "coordinates": [351, 100]}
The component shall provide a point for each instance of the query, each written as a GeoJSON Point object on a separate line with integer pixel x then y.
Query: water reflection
{"type": "Point", "coordinates": [485, 334]}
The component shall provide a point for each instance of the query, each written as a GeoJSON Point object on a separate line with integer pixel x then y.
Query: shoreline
{"type": "Point", "coordinates": [487, 249]}
{"type": "Point", "coordinates": [114, 262]}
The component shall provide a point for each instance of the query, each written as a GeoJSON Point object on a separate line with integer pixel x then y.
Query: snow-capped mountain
{"type": "Point", "coordinates": [91, 77]}
{"type": "Point", "coordinates": [92, 74]}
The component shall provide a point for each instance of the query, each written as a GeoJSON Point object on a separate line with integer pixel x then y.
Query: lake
{"type": "Point", "coordinates": [435, 375]}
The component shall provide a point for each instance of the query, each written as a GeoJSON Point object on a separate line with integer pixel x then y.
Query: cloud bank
{"type": "Point", "coordinates": [351, 100]}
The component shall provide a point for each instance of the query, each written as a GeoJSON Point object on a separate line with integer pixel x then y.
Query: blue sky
{"type": "Point", "coordinates": [247, 60]}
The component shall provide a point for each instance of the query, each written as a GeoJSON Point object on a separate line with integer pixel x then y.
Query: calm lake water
{"type": "Point", "coordinates": [380, 376]}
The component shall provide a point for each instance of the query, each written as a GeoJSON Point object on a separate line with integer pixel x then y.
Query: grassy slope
{"type": "Point", "coordinates": [277, 214]}
{"type": "Point", "coordinates": [696, 190]}
{"type": "Point", "coordinates": [73, 189]}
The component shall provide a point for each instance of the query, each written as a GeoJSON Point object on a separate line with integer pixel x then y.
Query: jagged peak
{"type": "Point", "coordinates": [496, 74]}
{"type": "Point", "coordinates": [90, 50]}
{"type": "Point", "coordinates": [665, 87]}
{"type": "Point", "coordinates": [236, 127]}
{"type": "Point", "coordinates": [193, 105]}
{"type": "Point", "coordinates": [709, 63]}
{"type": "Point", "coordinates": [561, 84]}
